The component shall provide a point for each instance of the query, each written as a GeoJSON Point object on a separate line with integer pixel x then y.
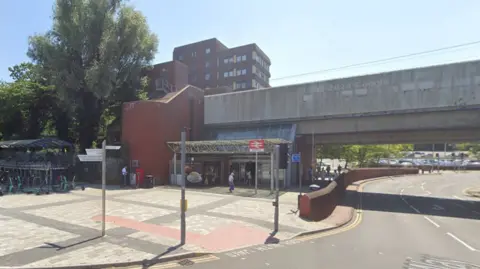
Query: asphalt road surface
{"type": "Point", "coordinates": [405, 222]}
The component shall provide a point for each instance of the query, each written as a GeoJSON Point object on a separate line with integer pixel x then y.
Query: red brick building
{"type": "Point", "coordinates": [148, 125]}
{"type": "Point", "coordinates": [167, 77]}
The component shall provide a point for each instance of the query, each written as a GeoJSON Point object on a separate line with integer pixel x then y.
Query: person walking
{"type": "Point", "coordinates": [249, 177]}
{"type": "Point", "coordinates": [124, 174]}
{"type": "Point", "coordinates": [230, 181]}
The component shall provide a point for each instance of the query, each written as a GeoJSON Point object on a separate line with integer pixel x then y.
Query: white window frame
{"type": "Point", "coordinates": [207, 51]}
{"type": "Point", "coordinates": [225, 74]}
{"type": "Point", "coordinates": [207, 76]}
{"type": "Point", "coordinates": [244, 57]}
{"type": "Point", "coordinates": [244, 71]}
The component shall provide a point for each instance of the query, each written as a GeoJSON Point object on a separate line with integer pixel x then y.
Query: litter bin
{"type": "Point", "coordinates": [148, 184]}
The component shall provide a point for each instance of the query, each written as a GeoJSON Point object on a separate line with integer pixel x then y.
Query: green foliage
{"type": "Point", "coordinates": [93, 56]}
{"type": "Point", "coordinates": [361, 154]}
{"type": "Point", "coordinates": [473, 148]}
{"type": "Point", "coordinates": [24, 103]}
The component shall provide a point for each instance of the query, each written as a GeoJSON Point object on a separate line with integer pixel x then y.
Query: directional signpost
{"type": "Point", "coordinates": [257, 145]}
{"type": "Point", "coordinates": [100, 155]}
{"type": "Point", "coordinates": [296, 158]}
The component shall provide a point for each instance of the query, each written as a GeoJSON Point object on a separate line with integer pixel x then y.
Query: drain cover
{"type": "Point", "coordinates": [186, 262]}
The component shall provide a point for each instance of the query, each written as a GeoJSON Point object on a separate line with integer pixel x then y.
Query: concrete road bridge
{"type": "Point", "coordinates": [434, 104]}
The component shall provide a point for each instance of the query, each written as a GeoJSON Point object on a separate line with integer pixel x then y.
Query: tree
{"type": "Point", "coordinates": [24, 104]}
{"type": "Point", "coordinates": [94, 55]}
{"type": "Point", "coordinates": [41, 100]}
{"type": "Point", "coordinates": [473, 148]}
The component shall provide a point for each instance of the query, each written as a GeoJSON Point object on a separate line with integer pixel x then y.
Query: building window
{"type": "Point", "coordinates": [230, 74]}
{"type": "Point", "coordinates": [207, 64]}
{"type": "Point", "coordinates": [225, 75]}
{"type": "Point", "coordinates": [207, 76]}
{"type": "Point", "coordinates": [244, 57]}
{"type": "Point", "coordinates": [225, 61]}
{"type": "Point", "coordinates": [230, 60]}
{"type": "Point", "coordinates": [180, 57]}
{"type": "Point", "coordinates": [239, 72]}
{"type": "Point", "coordinates": [254, 84]}
{"type": "Point", "coordinates": [240, 85]}
{"type": "Point", "coordinates": [158, 83]}
{"type": "Point", "coordinates": [244, 71]}
{"type": "Point", "coordinates": [239, 58]}
{"type": "Point", "coordinates": [207, 51]}
{"type": "Point", "coordinates": [194, 54]}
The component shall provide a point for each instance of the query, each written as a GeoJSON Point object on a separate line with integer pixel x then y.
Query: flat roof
{"type": "Point", "coordinates": [51, 143]}
{"type": "Point", "coordinates": [223, 146]}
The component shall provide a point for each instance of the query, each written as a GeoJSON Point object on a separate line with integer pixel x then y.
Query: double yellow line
{"type": "Point", "coordinates": [174, 264]}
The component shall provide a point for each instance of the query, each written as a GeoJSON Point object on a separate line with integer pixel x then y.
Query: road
{"type": "Point", "coordinates": [405, 222]}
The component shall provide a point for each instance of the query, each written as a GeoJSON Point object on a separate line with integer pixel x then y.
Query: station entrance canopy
{"type": "Point", "coordinates": [223, 146]}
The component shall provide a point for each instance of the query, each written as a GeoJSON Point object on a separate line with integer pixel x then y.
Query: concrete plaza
{"type": "Point", "coordinates": [143, 224]}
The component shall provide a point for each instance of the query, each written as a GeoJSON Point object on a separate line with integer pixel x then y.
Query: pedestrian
{"type": "Point", "coordinates": [124, 174]}
{"type": "Point", "coordinates": [339, 168]}
{"type": "Point", "coordinates": [249, 177]}
{"type": "Point", "coordinates": [230, 181]}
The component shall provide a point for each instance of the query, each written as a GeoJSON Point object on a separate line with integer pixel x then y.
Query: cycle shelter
{"type": "Point", "coordinates": [37, 166]}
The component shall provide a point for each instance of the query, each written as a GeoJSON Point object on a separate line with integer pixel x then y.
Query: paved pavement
{"type": "Point", "coordinates": [422, 221]}
{"type": "Point", "coordinates": [64, 229]}
{"type": "Point", "coordinates": [473, 192]}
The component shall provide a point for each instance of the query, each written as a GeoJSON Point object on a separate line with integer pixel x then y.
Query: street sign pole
{"type": "Point", "coordinates": [277, 174]}
{"type": "Point", "coordinates": [100, 155]}
{"type": "Point", "coordinates": [272, 165]}
{"type": "Point", "coordinates": [257, 145]}
{"type": "Point", "coordinates": [256, 172]}
{"type": "Point", "coordinates": [104, 183]}
{"type": "Point", "coordinates": [300, 180]}
{"type": "Point", "coordinates": [182, 201]}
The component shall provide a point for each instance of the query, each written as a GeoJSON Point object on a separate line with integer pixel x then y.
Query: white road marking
{"type": "Point", "coordinates": [432, 222]}
{"type": "Point", "coordinates": [401, 191]}
{"type": "Point", "coordinates": [267, 264]}
{"type": "Point", "coordinates": [405, 201]}
{"type": "Point", "coordinates": [437, 207]}
{"type": "Point", "coordinates": [243, 258]}
{"type": "Point", "coordinates": [414, 209]}
{"type": "Point", "coordinates": [461, 242]}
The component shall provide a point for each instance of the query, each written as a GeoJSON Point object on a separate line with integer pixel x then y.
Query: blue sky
{"type": "Point", "coordinates": [299, 36]}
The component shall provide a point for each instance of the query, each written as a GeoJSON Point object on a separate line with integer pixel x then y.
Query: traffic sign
{"type": "Point", "coordinates": [90, 158]}
{"type": "Point", "coordinates": [94, 152]}
{"type": "Point", "coordinates": [296, 158]}
{"type": "Point", "coordinates": [257, 145]}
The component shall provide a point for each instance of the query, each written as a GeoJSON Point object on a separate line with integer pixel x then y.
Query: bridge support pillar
{"type": "Point", "coordinates": [305, 149]}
